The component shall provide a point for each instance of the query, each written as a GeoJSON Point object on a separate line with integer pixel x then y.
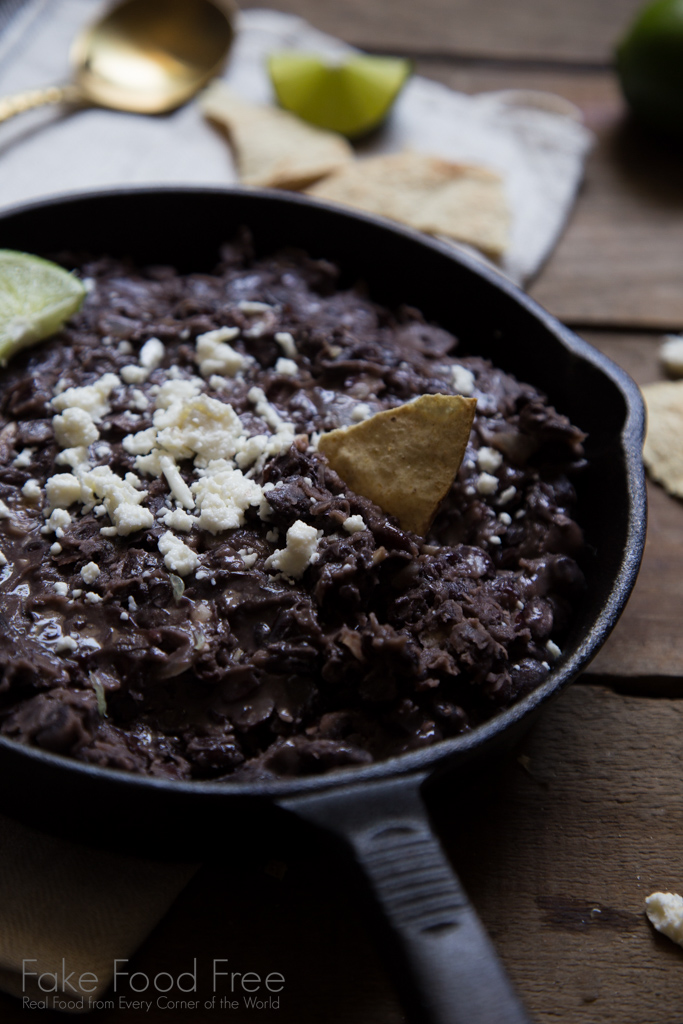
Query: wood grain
{"type": "Point", "coordinates": [645, 651]}
{"type": "Point", "coordinates": [569, 30]}
{"type": "Point", "coordinates": [560, 859]}
{"type": "Point", "coordinates": [557, 849]}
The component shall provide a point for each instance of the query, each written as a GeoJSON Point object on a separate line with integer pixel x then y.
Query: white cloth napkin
{"type": "Point", "coordinates": [534, 140]}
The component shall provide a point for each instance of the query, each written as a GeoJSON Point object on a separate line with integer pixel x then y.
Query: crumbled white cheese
{"type": "Point", "coordinates": [179, 489]}
{"type": "Point", "coordinates": [66, 643]}
{"type": "Point", "coordinates": [671, 354]}
{"type": "Point", "coordinates": [92, 598]}
{"type": "Point", "coordinates": [58, 520]}
{"type": "Point", "coordinates": [178, 557]}
{"type": "Point", "coordinates": [665, 911]}
{"type": "Point", "coordinates": [90, 572]}
{"type": "Point", "coordinates": [62, 490]}
{"type": "Point", "coordinates": [487, 484]}
{"type": "Point", "coordinates": [77, 458]}
{"type": "Point", "coordinates": [56, 548]}
{"type": "Point", "coordinates": [23, 459]}
{"type": "Point", "coordinates": [139, 400]}
{"type": "Point", "coordinates": [223, 495]}
{"type": "Point", "coordinates": [360, 412]}
{"type": "Point", "coordinates": [463, 380]}
{"type": "Point", "coordinates": [354, 524]}
{"type": "Point", "coordinates": [264, 409]}
{"type": "Point", "coordinates": [75, 427]}
{"type": "Point", "coordinates": [76, 593]}
{"type": "Point", "coordinates": [5, 513]}
{"type": "Point", "coordinates": [201, 426]}
{"type": "Point", "coordinates": [31, 490]}
{"type": "Point", "coordinates": [504, 518]}
{"type": "Point", "coordinates": [253, 308]}
{"type": "Point", "coordinates": [3, 558]}
{"type": "Point", "coordinates": [151, 354]}
{"type": "Point", "coordinates": [99, 510]}
{"type": "Point", "coordinates": [129, 518]}
{"type": "Point", "coordinates": [133, 374]}
{"type": "Point", "coordinates": [92, 398]}
{"type": "Point", "coordinates": [141, 443]}
{"type": "Point", "coordinates": [287, 367]}
{"type": "Point", "coordinates": [248, 557]}
{"type": "Point", "coordinates": [300, 551]}
{"type": "Point", "coordinates": [489, 459]}
{"type": "Point", "coordinates": [495, 539]}
{"type": "Point", "coordinates": [215, 356]}
{"type": "Point", "coordinates": [175, 390]}
{"type": "Point", "coordinates": [553, 650]}
{"type": "Point", "coordinates": [507, 495]}
{"type": "Point", "coordinates": [121, 497]}
{"type": "Point", "coordinates": [61, 589]}
{"type": "Point", "coordinates": [177, 519]}
{"type": "Point", "coordinates": [286, 343]}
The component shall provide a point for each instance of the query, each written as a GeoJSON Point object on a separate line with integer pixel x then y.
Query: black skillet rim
{"type": "Point", "coordinates": [428, 758]}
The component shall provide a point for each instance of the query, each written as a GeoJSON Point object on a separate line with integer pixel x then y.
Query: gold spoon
{"type": "Point", "coordinates": [145, 56]}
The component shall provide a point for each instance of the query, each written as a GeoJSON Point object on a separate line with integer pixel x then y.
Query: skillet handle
{"type": "Point", "coordinates": [445, 964]}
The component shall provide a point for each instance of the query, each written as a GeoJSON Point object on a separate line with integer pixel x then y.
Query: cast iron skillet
{"type": "Point", "coordinates": [445, 963]}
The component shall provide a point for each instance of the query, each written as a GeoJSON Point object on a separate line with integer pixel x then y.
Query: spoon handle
{"type": "Point", "coordinates": [21, 101]}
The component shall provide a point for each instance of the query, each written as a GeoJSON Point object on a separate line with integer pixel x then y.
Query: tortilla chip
{"type": "Point", "coordinates": [274, 149]}
{"type": "Point", "coordinates": [404, 459]}
{"type": "Point", "coordinates": [663, 449]}
{"type": "Point", "coordinates": [432, 195]}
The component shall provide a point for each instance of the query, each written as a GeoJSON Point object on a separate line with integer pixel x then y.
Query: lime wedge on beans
{"type": "Point", "coordinates": [351, 98]}
{"type": "Point", "coordinates": [36, 298]}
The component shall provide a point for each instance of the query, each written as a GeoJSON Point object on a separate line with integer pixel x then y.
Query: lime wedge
{"type": "Point", "coordinates": [350, 98]}
{"type": "Point", "coordinates": [36, 298]}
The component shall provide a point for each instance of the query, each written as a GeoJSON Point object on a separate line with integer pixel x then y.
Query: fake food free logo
{"type": "Point", "coordinates": [135, 990]}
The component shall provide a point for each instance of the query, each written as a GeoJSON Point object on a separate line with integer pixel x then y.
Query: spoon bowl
{"type": "Point", "coordinates": [151, 56]}
{"type": "Point", "coordinates": [142, 56]}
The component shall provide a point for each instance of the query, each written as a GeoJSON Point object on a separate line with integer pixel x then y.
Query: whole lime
{"type": "Point", "coordinates": [650, 66]}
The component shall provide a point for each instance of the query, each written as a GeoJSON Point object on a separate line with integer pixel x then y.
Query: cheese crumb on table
{"type": "Point", "coordinates": [671, 354]}
{"type": "Point", "coordinates": [664, 910]}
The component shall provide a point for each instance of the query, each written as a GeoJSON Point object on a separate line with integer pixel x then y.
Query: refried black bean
{"type": "Point", "coordinates": [383, 643]}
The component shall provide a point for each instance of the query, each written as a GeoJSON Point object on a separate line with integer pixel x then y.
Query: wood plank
{"type": "Point", "coordinates": [557, 849]}
{"type": "Point", "coordinates": [645, 650]}
{"type": "Point", "coordinates": [620, 260]}
{"type": "Point", "coordinates": [578, 30]}
{"type": "Point", "coordinates": [560, 858]}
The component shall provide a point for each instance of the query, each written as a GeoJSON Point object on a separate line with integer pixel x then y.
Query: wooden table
{"type": "Point", "coordinates": [560, 848]}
